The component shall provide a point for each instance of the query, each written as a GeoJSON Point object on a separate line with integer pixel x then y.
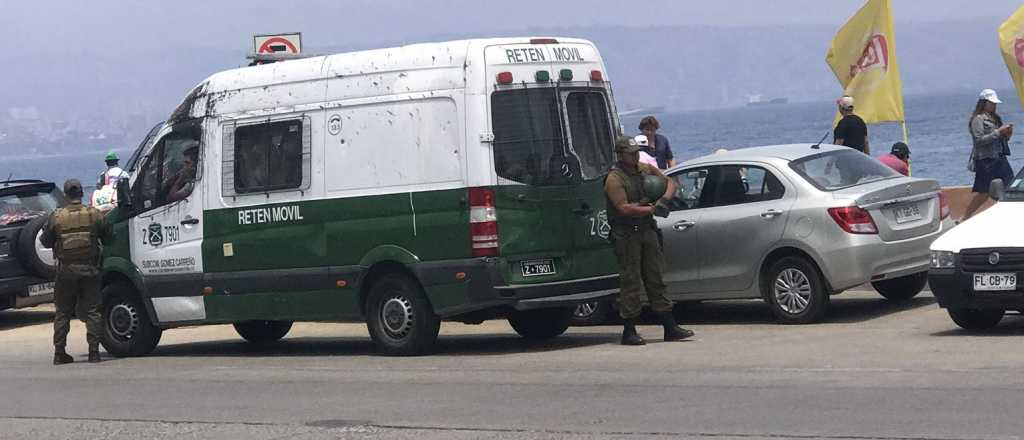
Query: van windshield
{"type": "Point", "coordinates": [544, 136]}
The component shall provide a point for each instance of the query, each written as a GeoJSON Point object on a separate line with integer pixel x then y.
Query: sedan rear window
{"type": "Point", "coordinates": [27, 205]}
{"type": "Point", "coordinates": [836, 170]}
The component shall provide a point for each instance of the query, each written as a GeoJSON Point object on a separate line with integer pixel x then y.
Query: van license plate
{"type": "Point", "coordinates": [995, 281]}
{"type": "Point", "coordinates": [40, 289]}
{"type": "Point", "coordinates": [908, 213]}
{"type": "Point", "coordinates": [533, 268]}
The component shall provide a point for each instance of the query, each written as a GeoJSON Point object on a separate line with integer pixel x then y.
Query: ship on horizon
{"type": "Point", "coordinates": [643, 110]}
{"type": "Point", "coordinates": [754, 100]}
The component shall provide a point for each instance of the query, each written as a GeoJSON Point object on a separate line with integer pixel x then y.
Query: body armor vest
{"type": "Point", "coordinates": [78, 243]}
{"type": "Point", "coordinates": [633, 183]}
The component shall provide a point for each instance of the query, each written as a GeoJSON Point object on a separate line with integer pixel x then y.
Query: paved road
{"type": "Point", "coordinates": [874, 371]}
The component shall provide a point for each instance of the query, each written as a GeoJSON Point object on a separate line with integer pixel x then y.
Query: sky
{"type": "Point", "coordinates": [75, 26]}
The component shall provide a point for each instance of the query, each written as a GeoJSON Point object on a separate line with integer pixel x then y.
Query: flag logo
{"type": "Point", "coordinates": [1018, 51]}
{"type": "Point", "coordinates": [875, 56]}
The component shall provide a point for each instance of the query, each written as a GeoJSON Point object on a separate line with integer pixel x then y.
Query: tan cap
{"type": "Point", "coordinates": [626, 144]}
{"type": "Point", "coordinates": [72, 187]}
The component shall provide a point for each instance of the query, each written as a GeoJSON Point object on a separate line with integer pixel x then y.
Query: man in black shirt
{"type": "Point", "coordinates": [851, 130]}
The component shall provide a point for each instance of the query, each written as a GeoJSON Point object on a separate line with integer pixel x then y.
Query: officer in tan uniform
{"type": "Point", "coordinates": [73, 232]}
{"type": "Point", "coordinates": [634, 232]}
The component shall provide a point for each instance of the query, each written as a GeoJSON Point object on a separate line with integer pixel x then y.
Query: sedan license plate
{"type": "Point", "coordinates": [907, 213]}
{"type": "Point", "coordinates": [40, 289]}
{"type": "Point", "coordinates": [995, 281]}
{"type": "Point", "coordinates": [534, 268]}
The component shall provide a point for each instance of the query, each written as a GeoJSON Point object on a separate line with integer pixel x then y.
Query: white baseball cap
{"type": "Point", "coordinates": [641, 140]}
{"type": "Point", "coordinates": [845, 102]}
{"type": "Point", "coordinates": [990, 96]}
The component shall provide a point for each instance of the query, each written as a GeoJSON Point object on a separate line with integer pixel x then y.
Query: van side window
{"type": "Point", "coordinates": [170, 171]}
{"type": "Point", "coordinates": [268, 156]}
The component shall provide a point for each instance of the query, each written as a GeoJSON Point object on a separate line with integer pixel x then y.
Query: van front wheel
{"type": "Point", "coordinates": [399, 317]}
{"type": "Point", "coordinates": [127, 330]}
{"type": "Point", "coordinates": [541, 323]}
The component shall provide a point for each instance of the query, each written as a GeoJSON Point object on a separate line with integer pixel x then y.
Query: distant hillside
{"type": "Point", "coordinates": [83, 101]}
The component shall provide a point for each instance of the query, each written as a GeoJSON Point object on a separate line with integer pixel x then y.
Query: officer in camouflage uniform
{"type": "Point", "coordinates": [73, 232]}
{"type": "Point", "coordinates": [634, 232]}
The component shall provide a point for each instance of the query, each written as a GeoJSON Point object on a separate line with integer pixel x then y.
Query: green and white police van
{"type": "Point", "coordinates": [455, 181]}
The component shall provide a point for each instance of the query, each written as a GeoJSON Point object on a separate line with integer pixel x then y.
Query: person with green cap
{"type": "Point", "coordinates": [635, 192]}
{"type": "Point", "coordinates": [105, 196]}
{"type": "Point", "coordinates": [113, 172]}
{"type": "Point", "coordinates": [74, 233]}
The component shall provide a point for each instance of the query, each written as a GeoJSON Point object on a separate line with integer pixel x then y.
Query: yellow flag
{"type": "Point", "coordinates": [1011, 42]}
{"type": "Point", "coordinates": [863, 57]}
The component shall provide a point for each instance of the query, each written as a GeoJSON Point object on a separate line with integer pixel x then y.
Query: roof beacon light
{"type": "Point", "coordinates": [504, 78]}
{"type": "Point", "coordinates": [543, 41]}
{"type": "Point", "coordinates": [542, 76]}
{"type": "Point", "coordinates": [596, 76]}
{"type": "Point", "coordinates": [565, 75]}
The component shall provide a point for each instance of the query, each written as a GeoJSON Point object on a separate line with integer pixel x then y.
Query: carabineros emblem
{"type": "Point", "coordinates": [156, 234]}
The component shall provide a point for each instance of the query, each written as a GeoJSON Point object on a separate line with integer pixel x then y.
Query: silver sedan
{"type": "Point", "coordinates": [795, 224]}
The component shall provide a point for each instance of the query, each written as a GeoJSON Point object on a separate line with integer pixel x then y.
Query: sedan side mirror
{"type": "Point", "coordinates": [996, 189]}
{"type": "Point", "coordinates": [124, 194]}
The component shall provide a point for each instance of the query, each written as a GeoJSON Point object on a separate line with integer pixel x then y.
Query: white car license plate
{"type": "Point", "coordinates": [534, 268]}
{"type": "Point", "coordinates": [995, 281]}
{"type": "Point", "coordinates": [907, 213]}
{"type": "Point", "coordinates": [40, 289]}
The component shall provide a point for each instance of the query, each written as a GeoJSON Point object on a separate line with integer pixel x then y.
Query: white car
{"type": "Point", "coordinates": [975, 266]}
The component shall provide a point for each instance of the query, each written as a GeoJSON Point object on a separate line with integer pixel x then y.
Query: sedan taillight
{"type": "Point", "coordinates": [943, 206]}
{"type": "Point", "coordinates": [854, 220]}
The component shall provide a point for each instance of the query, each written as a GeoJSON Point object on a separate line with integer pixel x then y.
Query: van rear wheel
{"type": "Point", "coordinates": [541, 323]}
{"type": "Point", "coordinates": [127, 329]}
{"type": "Point", "coordinates": [262, 332]}
{"type": "Point", "coordinates": [400, 319]}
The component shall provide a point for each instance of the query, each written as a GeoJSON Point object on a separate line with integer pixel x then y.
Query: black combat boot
{"type": "Point", "coordinates": [94, 355]}
{"type": "Point", "coordinates": [673, 332]}
{"type": "Point", "coordinates": [60, 357]}
{"type": "Point", "coordinates": [629, 335]}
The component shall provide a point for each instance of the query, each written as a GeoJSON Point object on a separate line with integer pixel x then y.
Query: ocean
{"type": "Point", "coordinates": [937, 124]}
{"type": "Point", "coordinates": [937, 127]}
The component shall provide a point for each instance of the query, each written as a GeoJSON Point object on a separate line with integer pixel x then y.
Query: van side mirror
{"type": "Point", "coordinates": [996, 189]}
{"type": "Point", "coordinates": [124, 193]}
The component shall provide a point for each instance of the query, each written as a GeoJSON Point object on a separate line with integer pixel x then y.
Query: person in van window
{"type": "Point", "coordinates": [637, 248]}
{"type": "Point", "coordinates": [659, 144]}
{"type": "Point", "coordinates": [991, 147]}
{"type": "Point", "coordinates": [898, 158]}
{"type": "Point", "coordinates": [181, 184]}
{"type": "Point", "coordinates": [851, 131]}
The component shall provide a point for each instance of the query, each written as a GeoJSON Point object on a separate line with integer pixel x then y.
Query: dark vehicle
{"type": "Point", "coordinates": [26, 267]}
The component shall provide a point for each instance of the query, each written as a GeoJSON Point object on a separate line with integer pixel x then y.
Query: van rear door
{"type": "Point", "coordinates": [588, 119]}
{"type": "Point", "coordinates": [532, 196]}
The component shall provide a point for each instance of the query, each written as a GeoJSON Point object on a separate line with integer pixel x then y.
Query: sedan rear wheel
{"type": "Point", "coordinates": [795, 291]}
{"type": "Point", "coordinates": [902, 288]}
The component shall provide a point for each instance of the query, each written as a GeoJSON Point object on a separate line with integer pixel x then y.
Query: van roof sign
{"type": "Point", "coordinates": [275, 43]}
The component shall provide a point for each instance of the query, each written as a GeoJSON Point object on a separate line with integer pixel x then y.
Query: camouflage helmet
{"type": "Point", "coordinates": [655, 186]}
